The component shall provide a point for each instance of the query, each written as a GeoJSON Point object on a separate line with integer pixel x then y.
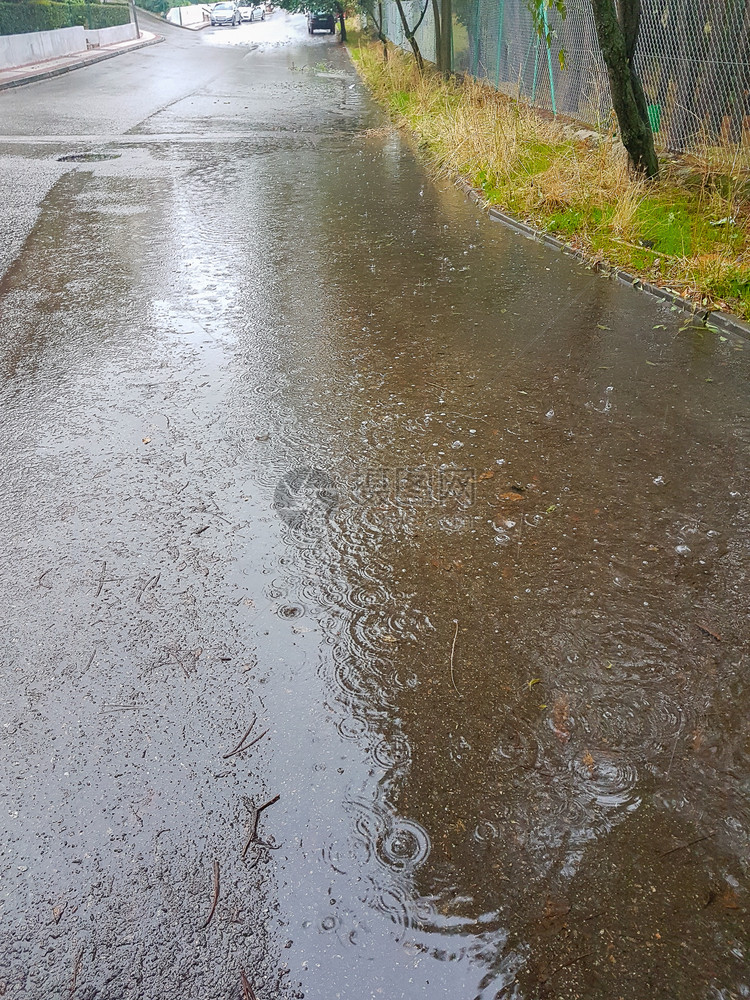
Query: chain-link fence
{"type": "Point", "coordinates": [693, 56]}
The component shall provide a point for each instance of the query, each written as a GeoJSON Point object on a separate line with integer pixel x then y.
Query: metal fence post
{"type": "Point", "coordinates": [500, 25]}
{"type": "Point", "coordinates": [549, 63]}
{"type": "Point", "coordinates": [134, 18]}
{"type": "Point", "coordinates": [475, 53]}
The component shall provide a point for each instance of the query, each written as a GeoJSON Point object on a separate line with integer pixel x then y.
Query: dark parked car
{"type": "Point", "coordinates": [319, 20]}
{"type": "Point", "coordinates": [225, 12]}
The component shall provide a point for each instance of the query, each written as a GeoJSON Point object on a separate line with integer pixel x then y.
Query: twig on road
{"type": "Point", "coordinates": [256, 740]}
{"type": "Point", "coordinates": [565, 965]}
{"type": "Point", "coordinates": [453, 651]}
{"type": "Point", "coordinates": [248, 993]}
{"type": "Point", "coordinates": [674, 748]}
{"type": "Point", "coordinates": [690, 843]}
{"type": "Point", "coordinates": [215, 899]}
{"type": "Point", "coordinates": [149, 584]}
{"type": "Point", "coordinates": [174, 656]}
{"type": "Point", "coordinates": [101, 579]}
{"type": "Point", "coordinates": [245, 736]}
{"type": "Point", "coordinates": [76, 970]}
{"type": "Point", "coordinates": [255, 812]}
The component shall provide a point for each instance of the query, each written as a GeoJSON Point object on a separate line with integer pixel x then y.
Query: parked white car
{"type": "Point", "coordinates": [253, 12]}
{"type": "Point", "coordinates": [226, 12]}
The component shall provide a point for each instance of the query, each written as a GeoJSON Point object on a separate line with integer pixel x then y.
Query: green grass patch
{"type": "Point", "coordinates": [400, 101]}
{"type": "Point", "coordinates": [536, 157]}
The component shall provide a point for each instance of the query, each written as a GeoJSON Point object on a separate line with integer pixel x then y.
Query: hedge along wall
{"type": "Point", "coordinates": [45, 15]}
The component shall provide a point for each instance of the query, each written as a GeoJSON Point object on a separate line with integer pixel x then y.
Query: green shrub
{"type": "Point", "coordinates": [155, 6]}
{"type": "Point", "coordinates": [46, 15]}
{"type": "Point", "coordinates": [100, 15]}
{"type": "Point", "coordinates": [161, 7]}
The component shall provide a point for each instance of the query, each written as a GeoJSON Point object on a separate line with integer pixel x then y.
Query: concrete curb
{"type": "Point", "coordinates": [59, 70]}
{"type": "Point", "coordinates": [183, 27]}
{"type": "Point", "coordinates": [714, 318]}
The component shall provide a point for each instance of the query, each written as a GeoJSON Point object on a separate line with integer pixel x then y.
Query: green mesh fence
{"type": "Point", "coordinates": [693, 56]}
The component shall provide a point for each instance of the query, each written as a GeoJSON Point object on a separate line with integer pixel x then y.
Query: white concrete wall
{"type": "Point", "coordinates": [185, 15]}
{"type": "Point", "coordinates": [35, 46]}
{"type": "Point", "coordinates": [108, 36]}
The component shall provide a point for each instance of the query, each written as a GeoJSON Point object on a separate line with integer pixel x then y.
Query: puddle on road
{"type": "Point", "coordinates": [462, 524]}
{"type": "Point", "coordinates": [87, 157]}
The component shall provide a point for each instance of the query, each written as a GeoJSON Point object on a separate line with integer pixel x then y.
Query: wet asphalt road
{"type": "Point", "coordinates": [293, 437]}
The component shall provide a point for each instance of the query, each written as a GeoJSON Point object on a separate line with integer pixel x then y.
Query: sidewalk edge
{"type": "Point", "coordinates": [60, 70]}
{"type": "Point", "coordinates": [714, 318]}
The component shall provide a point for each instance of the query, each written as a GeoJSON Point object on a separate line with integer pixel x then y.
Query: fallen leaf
{"type": "Point", "coordinates": [707, 631]}
{"type": "Point", "coordinates": [533, 681]}
{"type": "Point", "coordinates": [729, 899]}
{"type": "Point", "coordinates": [561, 718]}
{"type": "Point", "coordinates": [489, 474]}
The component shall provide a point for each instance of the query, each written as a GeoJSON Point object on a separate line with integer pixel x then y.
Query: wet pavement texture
{"type": "Point", "coordinates": [443, 533]}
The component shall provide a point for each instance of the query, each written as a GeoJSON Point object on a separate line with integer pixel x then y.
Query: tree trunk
{"type": "Point", "coordinates": [445, 62]}
{"type": "Point", "coordinates": [342, 25]}
{"type": "Point", "coordinates": [436, 19]}
{"type": "Point", "coordinates": [630, 22]}
{"type": "Point", "coordinates": [410, 36]}
{"type": "Point", "coordinates": [628, 98]}
{"type": "Point", "coordinates": [381, 33]}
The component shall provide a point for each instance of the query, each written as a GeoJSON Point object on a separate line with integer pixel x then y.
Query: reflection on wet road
{"type": "Point", "coordinates": [297, 445]}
